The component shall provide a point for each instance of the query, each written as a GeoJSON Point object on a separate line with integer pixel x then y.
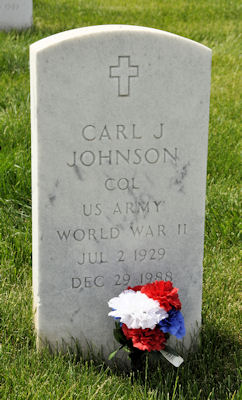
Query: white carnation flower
{"type": "Point", "coordinates": [136, 310]}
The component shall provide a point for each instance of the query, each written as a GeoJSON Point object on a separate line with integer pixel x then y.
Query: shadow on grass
{"type": "Point", "coordinates": [209, 373]}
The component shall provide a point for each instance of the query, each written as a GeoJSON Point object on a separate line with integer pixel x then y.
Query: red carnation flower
{"type": "Point", "coordinates": [164, 293]}
{"type": "Point", "coordinates": [135, 288]}
{"type": "Point", "coordinates": [145, 339]}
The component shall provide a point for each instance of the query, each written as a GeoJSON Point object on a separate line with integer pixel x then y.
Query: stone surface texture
{"type": "Point", "coordinates": [15, 14]}
{"type": "Point", "coordinates": [119, 148]}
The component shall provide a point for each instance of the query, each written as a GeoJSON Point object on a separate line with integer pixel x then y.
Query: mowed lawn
{"type": "Point", "coordinates": [213, 371]}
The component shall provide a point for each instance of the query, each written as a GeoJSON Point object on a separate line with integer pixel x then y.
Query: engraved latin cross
{"type": "Point", "coordinates": [124, 72]}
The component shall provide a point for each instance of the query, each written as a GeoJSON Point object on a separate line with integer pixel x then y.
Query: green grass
{"type": "Point", "coordinates": [212, 372]}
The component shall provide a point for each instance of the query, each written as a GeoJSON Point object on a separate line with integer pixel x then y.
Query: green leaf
{"type": "Point", "coordinates": [118, 334]}
{"type": "Point", "coordinates": [111, 355]}
{"type": "Point", "coordinates": [126, 349]}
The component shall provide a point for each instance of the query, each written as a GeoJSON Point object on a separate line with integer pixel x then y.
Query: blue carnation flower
{"type": "Point", "coordinates": [174, 324]}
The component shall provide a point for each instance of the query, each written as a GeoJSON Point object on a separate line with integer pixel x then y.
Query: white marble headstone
{"type": "Point", "coordinates": [15, 14]}
{"type": "Point", "coordinates": [119, 147]}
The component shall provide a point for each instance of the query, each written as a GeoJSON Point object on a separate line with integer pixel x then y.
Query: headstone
{"type": "Point", "coordinates": [15, 14]}
{"type": "Point", "coordinates": [119, 145]}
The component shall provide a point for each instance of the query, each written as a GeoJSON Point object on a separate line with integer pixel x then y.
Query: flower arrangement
{"type": "Point", "coordinates": [145, 317]}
